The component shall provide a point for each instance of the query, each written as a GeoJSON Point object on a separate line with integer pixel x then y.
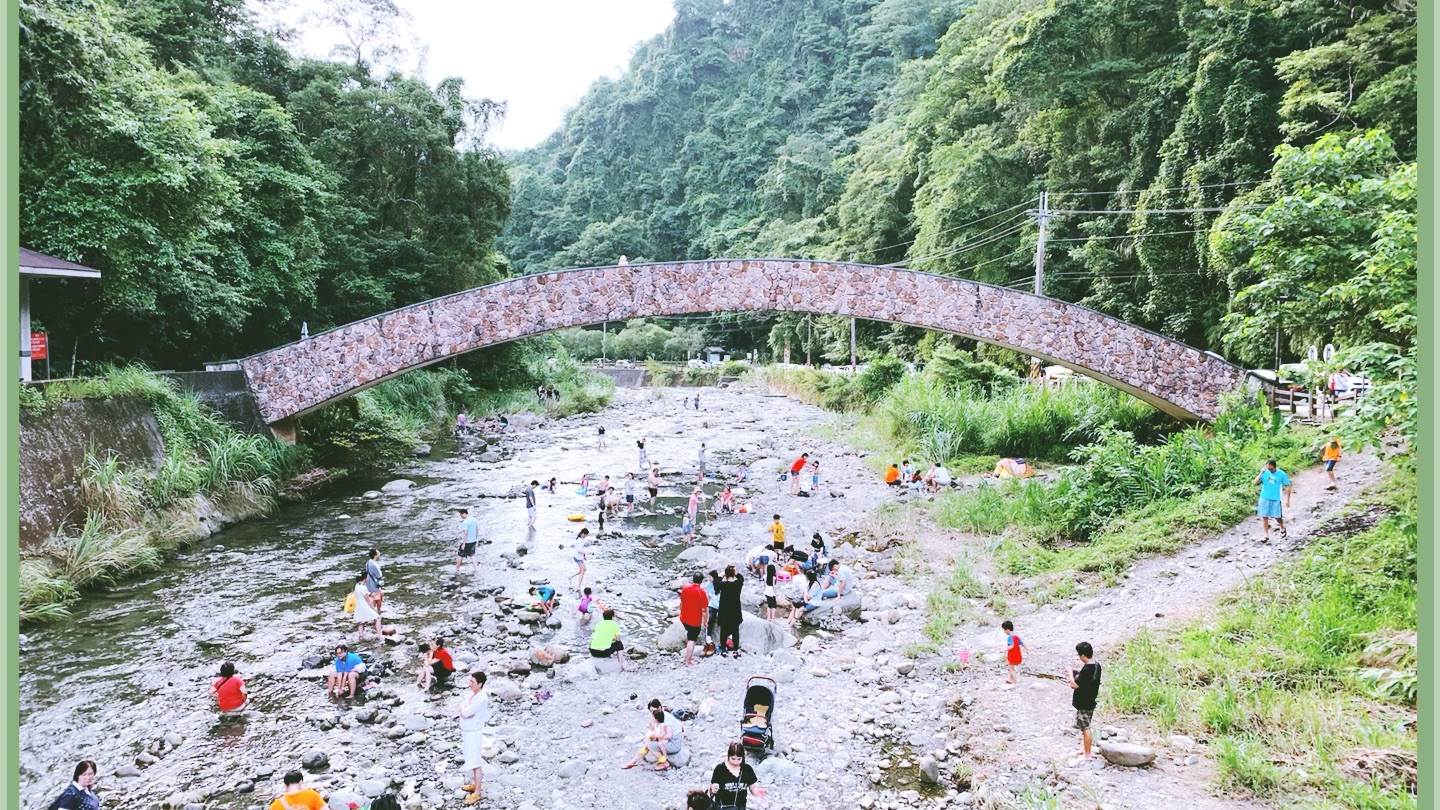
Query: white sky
{"type": "Point", "coordinates": [538, 56]}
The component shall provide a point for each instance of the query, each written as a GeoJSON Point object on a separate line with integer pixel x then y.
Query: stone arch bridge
{"type": "Point", "coordinates": [300, 377]}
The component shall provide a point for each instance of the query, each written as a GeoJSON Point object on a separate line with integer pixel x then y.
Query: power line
{"type": "Point", "coordinates": [963, 248]}
{"type": "Point", "coordinates": [1162, 188]}
{"type": "Point", "coordinates": [960, 227]}
{"type": "Point", "coordinates": [1159, 210]}
{"type": "Point", "coordinates": [1131, 235]}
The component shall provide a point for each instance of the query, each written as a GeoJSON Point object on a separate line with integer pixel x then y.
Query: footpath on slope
{"type": "Point", "coordinates": [1025, 733]}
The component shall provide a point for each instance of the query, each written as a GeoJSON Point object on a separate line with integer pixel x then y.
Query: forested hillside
{"type": "Point", "coordinates": [230, 191]}
{"type": "Point", "coordinates": [923, 131]}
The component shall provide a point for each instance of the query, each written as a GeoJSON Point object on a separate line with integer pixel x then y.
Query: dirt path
{"type": "Point", "coordinates": [1026, 733]}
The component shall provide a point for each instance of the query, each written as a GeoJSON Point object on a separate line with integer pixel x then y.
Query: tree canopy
{"type": "Point", "coordinates": [229, 191]}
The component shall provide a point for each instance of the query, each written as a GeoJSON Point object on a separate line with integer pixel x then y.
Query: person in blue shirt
{"type": "Point", "coordinates": [1272, 481]}
{"type": "Point", "coordinates": [546, 594]}
{"type": "Point", "coordinates": [469, 538]}
{"type": "Point", "coordinates": [348, 668]}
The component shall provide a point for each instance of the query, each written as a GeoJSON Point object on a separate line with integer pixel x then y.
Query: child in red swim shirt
{"type": "Point", "coordinates": [1013, 645]}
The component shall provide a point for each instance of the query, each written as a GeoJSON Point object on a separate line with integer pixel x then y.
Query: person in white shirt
{"type": "Point", "coordinates": [474, 714]}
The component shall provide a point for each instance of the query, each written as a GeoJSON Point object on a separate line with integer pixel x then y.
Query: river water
{"type": "Point", "coordinates": [134, 662]}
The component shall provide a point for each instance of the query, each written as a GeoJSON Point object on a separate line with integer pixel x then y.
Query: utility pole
{"type": "Point", "coordinates": [809, 336]}
{"type": "Point", "coordinates": [852, 345]}
{"type": "Point", "coordinates": [1043, 218]}
{"type": "Point", "coordinates": [604, 333]}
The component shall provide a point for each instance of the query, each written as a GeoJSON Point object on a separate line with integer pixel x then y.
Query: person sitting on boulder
{"type": "Point", "coordinates": [842, 580]}
{"type": "Point", "coordinates": [814, 592]}
{"type": "Point", "coordinates": [546, 595]}
{"type": "Point", "coordinates": [726, 501]}
{"type": "Point", "coordinates": [664, 738]}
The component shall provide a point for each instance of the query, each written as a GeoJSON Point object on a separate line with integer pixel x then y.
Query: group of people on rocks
{"type": "Point", "coordinates": [904, 476]}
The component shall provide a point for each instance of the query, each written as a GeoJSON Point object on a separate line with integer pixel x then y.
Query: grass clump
{"type": "Point", "coordinates": [124, 529]}
{"type": "Point", "coordinates": [1304, 681]}
{"type": "Point", "coordinates": [1123, 500]}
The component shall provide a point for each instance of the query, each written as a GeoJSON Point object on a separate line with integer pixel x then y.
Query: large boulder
{"type": "Point", "coordinates": [695, 554]}
{"type": "Point", "coordinates": [1127, 754]}
{"type": "Point", "coordinates": [398, 485]}
{"type": "Point", "coordinates": [847, 606]}
{"type": "Point", "coordinates": [757, 636]}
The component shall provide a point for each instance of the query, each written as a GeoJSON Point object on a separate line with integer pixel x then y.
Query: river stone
{"type": "Point", "coordinates": [757, 636]}
{"type": "Point", "coordinates": [372, 494]}
{"type": "Point", "coordinates": [398, 485]}
{"type": "Point", "coordinates": [416, 722]}
{"type": "Point", "coordinates": [847, 606]}
{"type": "Point", "coordinates": [315, 760]}
{"type": "Point", "coordinates": [695, 554]}
{"type": "Point", "coordinates": [1128, 754]}
{"type": "Point", "coordinates": [929, 770]}
{"type": "Point", "coordinates": [506, 690]}
{"type": "Point", "coordinates": [420, 450]}
{"type": "Point", "coordinates": [489, 457]}
{"type": "Point", "coordinates": [127, 772]}
{"type": "Point", "coordinates": [574, 769]}
{"type": "Point", "coordinates": [372, 788]}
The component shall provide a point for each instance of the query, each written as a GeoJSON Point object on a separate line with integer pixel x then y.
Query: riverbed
{"type": "Point", "coordinates": [133, 663]}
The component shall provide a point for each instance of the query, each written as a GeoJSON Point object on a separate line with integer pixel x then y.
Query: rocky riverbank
{"type": "Point", "coordinates": [863, 716]}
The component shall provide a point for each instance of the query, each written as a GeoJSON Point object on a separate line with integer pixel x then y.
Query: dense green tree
{"type": "Point", "coordinates": [229, 191]}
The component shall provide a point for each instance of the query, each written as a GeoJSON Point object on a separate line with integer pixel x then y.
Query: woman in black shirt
{"type": "Point", "coordinates": [730, 612]}
{"type": "Point", "coordinates": [733, 779]}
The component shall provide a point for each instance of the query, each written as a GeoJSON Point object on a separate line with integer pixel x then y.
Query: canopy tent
{"type": "Point", "coordinates": [34, 264]}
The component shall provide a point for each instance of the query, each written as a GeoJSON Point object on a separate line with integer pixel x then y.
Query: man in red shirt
{"type": "Point", "coordinates": [694, 606]}
{"type": "Point", "coordinates": [795, 472]}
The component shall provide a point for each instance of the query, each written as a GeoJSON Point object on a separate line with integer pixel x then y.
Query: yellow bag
{"type": "Point", "coordinates": [350, 603]}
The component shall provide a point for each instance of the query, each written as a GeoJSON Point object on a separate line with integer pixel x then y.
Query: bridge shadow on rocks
{"type": "Point", "coordinates": [300, 377]}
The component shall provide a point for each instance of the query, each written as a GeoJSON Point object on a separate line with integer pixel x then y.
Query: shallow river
{"type": "Point", "coordinates": [135, 660]}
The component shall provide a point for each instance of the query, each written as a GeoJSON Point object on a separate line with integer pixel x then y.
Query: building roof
{"type": "Point", "coordinates": [34, 263]}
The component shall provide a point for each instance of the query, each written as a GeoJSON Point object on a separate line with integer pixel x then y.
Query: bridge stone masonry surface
{"type": "Point", "coordinates": [300, 377]}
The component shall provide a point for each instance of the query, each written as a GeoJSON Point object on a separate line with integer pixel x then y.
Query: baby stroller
{"type": "Point", "coordinates": [756, 732]}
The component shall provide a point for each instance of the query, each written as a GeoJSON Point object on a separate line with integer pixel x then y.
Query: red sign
{"type": "Point", "coordinates": [39, 346]}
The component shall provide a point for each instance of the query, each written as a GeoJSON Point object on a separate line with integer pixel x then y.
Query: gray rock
{"type": "Point", "coordinates": [847, 606]}
{"type": "Point", "coordinates": [1127, 754]}
{"type": "Point", "coordinates": [127, 772]}
{"type": "Point", "coordinates": [489, 457]}
{"type": "Point", "coordinates": [416, 722]}
{"type": "Point", "coordinates": [420, 450]}
{"type": "Point", "coordinates": [372, 494]}
{"type": "Point", "coordinates": [315, 760]}
{"type": "Point", "coordinates": [574, 769]}
{"type": "Point", "coordinates": [929, 770]}
{"type": "Point", "coordinates": [173, 739]}
{"type": "Point", "coordinates": [757, 636]}
{"type": "Point", "coordinates": [372, 788]}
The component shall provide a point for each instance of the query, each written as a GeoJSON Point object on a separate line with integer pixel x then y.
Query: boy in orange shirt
{"type": "Point", "coordinates": [1330, 455]}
